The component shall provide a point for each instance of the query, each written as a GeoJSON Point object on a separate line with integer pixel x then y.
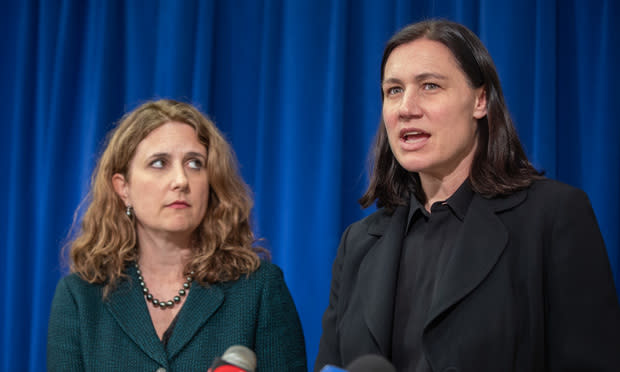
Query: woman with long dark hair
{"type": "Point", "coordinates": [474, 260]}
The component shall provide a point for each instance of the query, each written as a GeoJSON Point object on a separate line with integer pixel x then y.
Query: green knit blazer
{"type": "Point", "coordinates": [87, 333]}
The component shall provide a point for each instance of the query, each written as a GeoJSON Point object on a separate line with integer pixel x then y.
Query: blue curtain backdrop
{"type": "Point", "coordinates": [294, 85]}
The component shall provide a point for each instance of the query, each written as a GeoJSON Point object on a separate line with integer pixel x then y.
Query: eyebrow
{"type": "Point", "coordinates": [159, 155]}
{"type": "Point", "coordinates": [167, 155]}
{"type": "Point", "coordinates": [196, 154]}
{"type": "Point", "coordinates": [418, 78]}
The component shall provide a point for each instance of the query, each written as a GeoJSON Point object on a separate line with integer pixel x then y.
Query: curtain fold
{"type": "Point", "coordinates": [294, 86]}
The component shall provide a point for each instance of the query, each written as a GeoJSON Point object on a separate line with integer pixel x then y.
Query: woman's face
{"type": "Point", "coordinates": [430, 111]}
{"type": "Point", "coordinates": [167, 186]}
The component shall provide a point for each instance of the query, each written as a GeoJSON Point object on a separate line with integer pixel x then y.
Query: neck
{"type": "Point", "coordinates": [443, 183]}
{"type": "Point", "coordinates": [166, 256]}
{"type": "Point", "coordinates": [441, 188]}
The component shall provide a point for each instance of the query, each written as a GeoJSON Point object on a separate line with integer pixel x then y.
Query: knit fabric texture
{"type": "Point", "coordinates": [87, 333]}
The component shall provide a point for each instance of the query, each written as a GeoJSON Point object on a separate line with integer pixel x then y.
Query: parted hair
{"type": "Point", "coordinates": [500, 165]}
{"type": "Point", "coordinates": [222, 244]}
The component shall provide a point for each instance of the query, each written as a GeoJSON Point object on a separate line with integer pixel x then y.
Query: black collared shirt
{"type": "Point", "coordinates": [426, 249]}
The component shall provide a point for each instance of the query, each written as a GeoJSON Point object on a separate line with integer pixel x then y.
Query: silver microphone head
{"type": "Point", "coordinates": [240, 356]}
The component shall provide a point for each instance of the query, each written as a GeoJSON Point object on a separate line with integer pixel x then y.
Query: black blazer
{"type": "Point", "coordinates": [528, 288]}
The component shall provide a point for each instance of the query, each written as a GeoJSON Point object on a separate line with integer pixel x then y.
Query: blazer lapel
{"type": "Point", "coordinates": [127, 306]}
{"type": "Point", "coordinates": [378, 273]}
{"type": "Point", "coordinates": [479, 246]}
{"type": "Point", "coordinates": [200, 305]}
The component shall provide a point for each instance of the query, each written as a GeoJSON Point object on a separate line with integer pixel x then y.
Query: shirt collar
{"type": "Point", "coordinates": [414, 207]}
{"type": "Point", "coordinates": [458, 202]}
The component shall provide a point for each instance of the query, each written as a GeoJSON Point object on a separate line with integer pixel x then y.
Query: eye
{"type": "Point", "coordinates": [158, 163]}
{"type": "Point", "coordinates": [429, 86]}
{"type": "Point", "coordinates": [390, 91]}
{"type": "Point", "coordinates": [195, 164]}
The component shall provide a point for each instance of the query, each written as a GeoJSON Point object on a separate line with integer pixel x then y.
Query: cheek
{"type": "Point", "coordinates": [202, 188]}
{"type": "Point", "coordinates": [145, 190]}
{"type": "Point", "coordinates": [390, 121]}
{"type": "Point", "coordinates": [389, 117]}
{"type": "Point", "coordinates": [143, 186]}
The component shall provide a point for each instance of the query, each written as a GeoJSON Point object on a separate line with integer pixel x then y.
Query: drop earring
{"type": "Point", "coordinates": [129, 211]}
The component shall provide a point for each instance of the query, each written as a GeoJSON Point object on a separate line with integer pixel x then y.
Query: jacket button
{"type": "Point", "coordinates": [161, 369]}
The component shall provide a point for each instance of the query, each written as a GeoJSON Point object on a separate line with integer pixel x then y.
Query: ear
{"type": "Point", "coordinates": [480, 104]}
{"type": "Point", "coordinates": [121, 187]}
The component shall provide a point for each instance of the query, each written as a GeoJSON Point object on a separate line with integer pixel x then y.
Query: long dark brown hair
{"type": "Point", "coordinates": [500, 166]}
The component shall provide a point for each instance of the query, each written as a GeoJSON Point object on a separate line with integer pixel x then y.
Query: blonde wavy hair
{"type": "Point", "coordinates": [222, 243]}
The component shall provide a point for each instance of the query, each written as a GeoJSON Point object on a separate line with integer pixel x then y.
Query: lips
{"type": "Point", "coordinates": [178, 204]}
{"type": "Point", "coordinates": [413, 135]}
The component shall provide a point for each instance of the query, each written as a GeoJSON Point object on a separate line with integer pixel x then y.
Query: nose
{"type": "Point", "coordinates": [409, 105]}
{"type": "Point", "coordinates": [179, 178]}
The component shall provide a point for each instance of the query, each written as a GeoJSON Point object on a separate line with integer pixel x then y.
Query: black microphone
{"type": "Point", "coordinates": [365, 363]}
{"type": "Point", "coordinates": [370, 363]}
{"type": "Point", "coordinates": [236, 358]}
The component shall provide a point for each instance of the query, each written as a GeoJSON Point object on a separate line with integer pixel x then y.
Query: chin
{"type": "Point", "coordinates": [181, 229]}
{"type": "Point", "coordinates": [414, 166]}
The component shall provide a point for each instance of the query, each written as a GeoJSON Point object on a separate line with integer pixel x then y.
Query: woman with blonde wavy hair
{"type": "Point", "coordinates": [164, 274]}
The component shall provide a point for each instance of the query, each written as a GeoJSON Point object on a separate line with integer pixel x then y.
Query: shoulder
{"type": "Point", "coordinates": [543, 194]}
{"type": "Point", "coordinates": [267, 275]}
{"type": "Point", "coordinates": [77, 286]}
{"type": "Point", "coordinates": [362, 235]}
{"type": "Point", "coordinates": [264, 286]}
{"type": "Point", "coordinates": [557, 196]}
{"type": "Point", "coordinates": [72, 292]}
{"type": "Point", "coordinates": [373, 224]}
{"type": "Point", "coordinates": [74, 280]}
{"type": "Point", "coordinates": [545, 205]}
{"type": "Point", "coordinates": [266, 272]}
{"type": "Point", "coordinates": [555, 190]}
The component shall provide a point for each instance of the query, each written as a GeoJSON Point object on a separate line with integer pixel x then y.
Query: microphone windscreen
{"type": "Point", "coordinates": [241, 356]}
{"type": "Point", "coordinates": [370, 363]}
{"type": "Point", "coordinates": [228, 368]}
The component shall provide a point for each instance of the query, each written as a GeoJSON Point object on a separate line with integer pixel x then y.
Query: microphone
{"type": "Point", "coordinates": [236, 358]}
{"type": "Point", "coordinates": [330, 368]}
{"type": "Point", "coordinates": [371, 363]}
{"type": "Point", "coordinates": [365, 363]}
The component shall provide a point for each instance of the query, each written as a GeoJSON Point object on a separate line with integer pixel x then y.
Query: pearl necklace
{"type": "Point", "coordinates": [164, 304]}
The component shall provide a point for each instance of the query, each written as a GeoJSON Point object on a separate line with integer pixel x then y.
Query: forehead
{"type": "Point", "coordinates": [171, 136]}
{"type": "Point", "coordinates": [422, 54]}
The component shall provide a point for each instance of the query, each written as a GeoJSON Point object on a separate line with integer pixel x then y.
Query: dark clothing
{"type": "Point", "coordinates": [527, 287]}
{"type": "Point", "coordinates": [88, 334]}
{"type": "Point", "coordinates": [426, 250]}
{"type": "Point", "coordinates": [168, 333]}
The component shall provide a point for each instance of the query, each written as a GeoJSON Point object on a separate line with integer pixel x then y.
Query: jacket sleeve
{"type": "Point", "coordinates": [280, 344]}
{"type": "Point", "coordinates": [582, 310]}
{"type": "Point", "coordinates": [329, 349]}
{"type": "Point", "coordinates": [63, 335]}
